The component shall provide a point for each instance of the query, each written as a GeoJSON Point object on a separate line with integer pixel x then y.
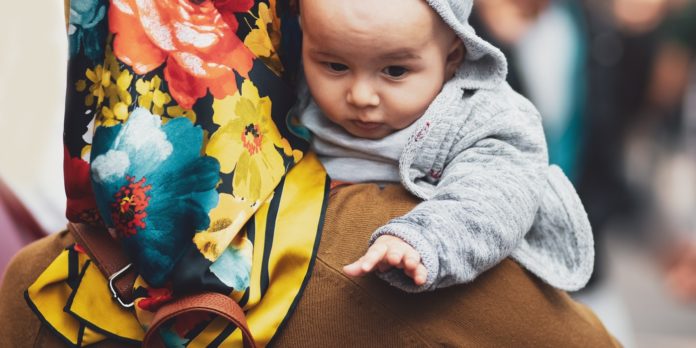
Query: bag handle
{"type": "Point", "coordinates": [110, 259]}
{"type": "Point", "coordinates": [209, 302]}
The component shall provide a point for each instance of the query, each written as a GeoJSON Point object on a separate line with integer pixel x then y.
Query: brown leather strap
{"type": "Point", "coordinates": [209, 302]}
{"type": "Point", "coordinates": [107, 254]}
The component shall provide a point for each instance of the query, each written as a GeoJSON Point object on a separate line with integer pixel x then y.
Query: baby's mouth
{"type": "Point", "coordinates": [367, 125]}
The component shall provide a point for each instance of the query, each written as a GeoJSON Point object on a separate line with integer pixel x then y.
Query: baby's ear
{"type": "Point", "coordinates": [455, 56]}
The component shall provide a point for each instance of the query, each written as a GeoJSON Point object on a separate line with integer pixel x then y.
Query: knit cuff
{"type": "Point", "coordinates": [428, 254]}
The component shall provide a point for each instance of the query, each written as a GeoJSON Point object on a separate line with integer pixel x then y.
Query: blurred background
{"type": "Point", "coordinates": [615, 81]}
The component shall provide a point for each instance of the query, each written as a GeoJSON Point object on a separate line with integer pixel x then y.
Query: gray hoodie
{"type": "Point", "coordinates": [478, 159]}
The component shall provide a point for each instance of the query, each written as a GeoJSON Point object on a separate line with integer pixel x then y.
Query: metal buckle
{"type": "Point", "coordinates": [113, 290]}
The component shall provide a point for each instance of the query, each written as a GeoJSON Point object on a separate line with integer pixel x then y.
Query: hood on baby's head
{"type": "Point", "coordinates": [485, 65]}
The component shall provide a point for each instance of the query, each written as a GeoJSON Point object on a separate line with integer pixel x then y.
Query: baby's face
{"type": "Point", "coordinates": [373, 67]}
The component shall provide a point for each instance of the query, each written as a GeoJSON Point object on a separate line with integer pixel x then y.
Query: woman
{"type": "Point", "coordinates": [162, 80]}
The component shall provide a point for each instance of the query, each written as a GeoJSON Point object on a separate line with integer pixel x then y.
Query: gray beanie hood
{"type": "Point", "coordinates": [485, 66]}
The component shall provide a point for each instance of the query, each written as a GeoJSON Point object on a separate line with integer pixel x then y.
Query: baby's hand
{"type": "Point", "coordinates": [387, 252]}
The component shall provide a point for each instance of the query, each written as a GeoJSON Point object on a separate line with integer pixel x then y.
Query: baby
{"type": "Point", "coordinates": [404, 91]}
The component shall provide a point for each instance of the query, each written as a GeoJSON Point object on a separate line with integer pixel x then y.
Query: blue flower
{"type": "Point", "coordinates": [153, 188]}
{"type": "Point", "coordinates": [87, 28]}
{"type": "Point", "coordinates": [233, 267]}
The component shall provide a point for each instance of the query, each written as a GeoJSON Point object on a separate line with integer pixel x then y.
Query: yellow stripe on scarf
{"type": "Point", "coordinates": [295, 225]}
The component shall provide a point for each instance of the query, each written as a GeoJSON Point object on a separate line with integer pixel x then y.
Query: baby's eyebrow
{"type": "Point", "coordinates": [401, 55]}
{"type": "Point", "coordinates": [319, 52]}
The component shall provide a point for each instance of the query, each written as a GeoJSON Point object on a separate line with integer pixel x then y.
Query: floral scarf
{"type": "Point", "coordinates": [180, 140]}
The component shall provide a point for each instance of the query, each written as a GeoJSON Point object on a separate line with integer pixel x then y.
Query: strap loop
{"type": "Point", "coordinates": [113, 290]}
{"type": "Point", "coordinates": [108, 256]}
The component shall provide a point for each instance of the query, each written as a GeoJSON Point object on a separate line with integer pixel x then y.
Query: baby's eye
{"type": "Point", "coordinates": [337, 67]}
{"type": "Point", "coordinates": [395, 71]}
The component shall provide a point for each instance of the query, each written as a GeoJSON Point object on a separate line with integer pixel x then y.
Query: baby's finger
{"type": "Point", "coordinates": [395, 256]}
{"type": "Point", "coordinates": [374, 255]}
{"type": "Point", "coordinates": [420, 275]}
{"type": "Point", "coordinates": [411, 273]}
{"type": "Point", "coordinates": [411, 260]}
{"type": "Point", "coordinates": [354, 269]}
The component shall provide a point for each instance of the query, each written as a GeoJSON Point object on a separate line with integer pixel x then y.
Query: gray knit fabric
{"type": "Point", "coordinates": [485, 66]}
{"type": "Point", "coordinates": [478, 159]}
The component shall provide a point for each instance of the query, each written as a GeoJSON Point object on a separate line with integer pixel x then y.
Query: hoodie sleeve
{"type": "Point", "coordinates": [483, 204]}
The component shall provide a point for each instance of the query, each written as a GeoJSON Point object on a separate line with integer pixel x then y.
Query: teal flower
{"type": "Point", "coordinates": [233, 267]}
{"type": "Point", "coordinates": [87, 28]}
{"type": "Point", "coordinates": [153, 188]}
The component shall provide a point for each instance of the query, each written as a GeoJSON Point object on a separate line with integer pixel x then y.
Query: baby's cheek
{"type": "Point", "coordinates": [325, 93]}
{"type": "Point", "coordinates": [407, 111]}
{"type": "Point", "coordinates": [325, 99]}
{"type": "Point", "coordinates": [414, 98]}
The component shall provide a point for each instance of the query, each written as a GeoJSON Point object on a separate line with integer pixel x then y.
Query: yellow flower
{"type": "Point", "coordinates": [264, 41]}
{"type": "Point", "coordinates": [108, 119]}
{"type": "Point", "coordinates": [290, 152]}
{"type": "Point", "coordinates": [154, 99]}
{"type": "Point", "coordinates": [123, 83]}
{"type": "Point", "coordinates": [80, 85]}
{"type": "Point", "coordinates": [246, 143]}
{"type": "Point", "coordinates": [151, 96]}
{"type": "Point", "coordinates": [143, 88]}
{"type": "Point", "coordinates": [85, 153]}
{"type": "Point", "coordinates": [109, 85]}
{"type": "Point", "coordinates": [226, 222]}
{"type": "Point", "coordinates": [100, 78]}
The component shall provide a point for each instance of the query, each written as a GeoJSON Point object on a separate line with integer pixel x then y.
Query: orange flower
{"type": "Point", "coordinates": [195, 38]}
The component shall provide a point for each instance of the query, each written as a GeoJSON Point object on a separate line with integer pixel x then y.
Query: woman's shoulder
{"type": "Point", "coordinates": [31, 260]}
{"type": "Point", "coordinates": [20, 326]}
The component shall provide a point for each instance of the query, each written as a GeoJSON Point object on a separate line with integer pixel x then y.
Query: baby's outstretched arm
{"type": "Point", "coordinates": [486, 197]}
{"type": "Point", "coordinates": [388, 252]}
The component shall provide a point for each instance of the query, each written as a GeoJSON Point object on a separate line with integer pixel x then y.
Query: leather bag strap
{"type": "Point", "coordinates": [106, 253]}
{"type": "Point", "coordinates": [209, 302]}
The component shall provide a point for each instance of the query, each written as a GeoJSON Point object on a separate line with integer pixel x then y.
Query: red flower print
{"type": "Point", "coordinates": [78, 248]}
{"type": "Point", "coordinates": [128, 210]}
{"type": "Point", "coordinates": [81, 204]}
{"type": "Point", "coordinates": [156, 297]}
{"type": "Point", "coordinates": [228, 8]}
{"type": "Point", "coordinates": [252, 138]}
{"type": "Point", "coordinates": [195, 38]}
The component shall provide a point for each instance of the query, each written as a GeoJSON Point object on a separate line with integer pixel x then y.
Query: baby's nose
{"type": "Point", "coordinates": [362, 94]}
